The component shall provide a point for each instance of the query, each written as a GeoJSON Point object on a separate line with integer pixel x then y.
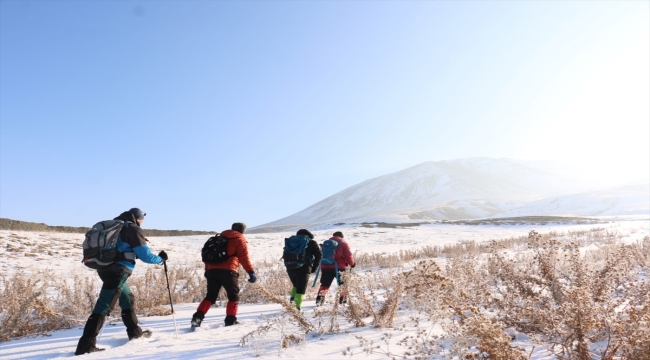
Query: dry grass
{"type": "Point", "coordinates": [576, 303]}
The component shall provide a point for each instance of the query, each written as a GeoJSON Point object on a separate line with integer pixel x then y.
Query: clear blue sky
{"type": "Point", "coordinates": [207, 112]}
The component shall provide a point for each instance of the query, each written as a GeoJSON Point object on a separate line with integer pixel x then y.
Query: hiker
{"type": "Point", "coordinates": [225, 274]}
{"type": "Point", "coordinates": [336, 257]}
{"type": "Point", "coordinates": [131, 245]}
{"type": "Point", "coordinates": [302, 257]}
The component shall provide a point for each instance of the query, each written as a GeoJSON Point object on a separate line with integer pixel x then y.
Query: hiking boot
{"type": "Point", "coordinates": [91, 350]}
{"type": "Point", "coordinates": [231, 320]}
{"type": "Point", "coordinates": [141, 334]}
{"type": "Point", "coordinates": [320, 300]}
{"type": "Point", "coordinates": [290, 300]}
{"type": "Point", "coordinates": [343, 300]}
{"type": "Point", "coordinates": [197, 319]}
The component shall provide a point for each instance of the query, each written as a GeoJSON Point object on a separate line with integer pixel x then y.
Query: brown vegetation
{"type": "Point", "coordinates": [17, 225]}
{"type": "Point", "coordinates": [576, 303]}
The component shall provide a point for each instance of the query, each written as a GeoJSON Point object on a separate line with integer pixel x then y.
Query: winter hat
{"type": "Point", "coordinates": [305, 232]}
{"type": "Point", "coordinates": [339, 234]}
{"type": "Point", "coordinates": [239, 226]}
{"type": "Point", "coordinates": [138, 214]}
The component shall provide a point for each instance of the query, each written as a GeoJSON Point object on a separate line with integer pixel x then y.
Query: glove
{"type": "Point", "coordinates": [252, 278]}
{"type": "Point", "coordinates": [163, 255]}
{"type": "Point", "coordinates": [353, 265]}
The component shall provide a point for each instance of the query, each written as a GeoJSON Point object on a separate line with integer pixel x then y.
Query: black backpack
{"type": "Point", "coordinates": [214, 250]}
{"type": "Point", "coordinates": [100, 243]}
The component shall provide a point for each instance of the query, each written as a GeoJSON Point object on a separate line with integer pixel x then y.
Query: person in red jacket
{"type": "Point", "coordinates": [225, 274]}
{"type": "Point", "coordinates": [343, 258]}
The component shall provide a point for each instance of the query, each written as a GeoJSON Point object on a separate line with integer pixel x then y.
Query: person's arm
{"type": "Point", "coordinates": [347, 255]}
{"type": "Point", "coordinates": [140, 248]}
{"type": "Point", "coordinates": [242, 254]}
{"type": "Point", "coordinates": [144, 253]}
{"type": "Point", "coordinates": [316, 252]}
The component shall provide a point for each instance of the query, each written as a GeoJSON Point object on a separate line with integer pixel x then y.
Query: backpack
{"type": "Point", "coordinates": [329, 252]}
{"type": "Point", "coordinates": [100, 243]}
{"type": "Point", "coordinates": [215, 250]}
{"type": "Point", "coordinates": [295, 248]}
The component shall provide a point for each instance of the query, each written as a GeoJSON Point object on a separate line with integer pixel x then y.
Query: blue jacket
{"type": "Point", "coordinates": [133, 244]}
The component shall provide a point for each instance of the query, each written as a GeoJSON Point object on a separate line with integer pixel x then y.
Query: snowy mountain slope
{"type": "Point", "coordinates": [624, 200]}
{"type": "Point", "coordinates": [457, 189]}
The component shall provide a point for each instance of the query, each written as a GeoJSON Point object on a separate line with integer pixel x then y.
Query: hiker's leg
{"type": "Point", "coordinates": [110, 292]}
{"type": "Point", "coordinates": [214, 285]}
{"type": "Point", "coordinates": [130, 320]}
{"type": "Point", "coordinates": [327, 276]}
{"type": "Point", "coordinates": [299, 278]}
{"type": "Point", "coordinates": [343, 295]}
{"type": "Point", "coordinates": [293, 289]}
{"type": "Point", "coordinates": [302, 279]}
{"type": "Point", "coordinates": [88, 340]}
{"type": "Point", "coordinates": [231, 285]}
{"type": "Point", "coordinates": [108, 296]}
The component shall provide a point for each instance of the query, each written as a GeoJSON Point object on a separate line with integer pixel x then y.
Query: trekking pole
{"type": "Point", "coordinates": [101, 331]}
{"type": "Point", "coordinates": [171, 303]}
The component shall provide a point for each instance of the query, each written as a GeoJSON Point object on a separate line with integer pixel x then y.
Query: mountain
{"type": "Point", "coordinates": [622, 200]}
{"type": "Point", "coordinates": [456, 189]}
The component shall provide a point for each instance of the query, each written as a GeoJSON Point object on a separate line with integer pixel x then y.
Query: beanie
{"type": "Point", "coordinates": [305, 232]}
{"type": "Point", "coordinates": [239, 226]}
{"type": "Point", "coordinates": [138, 214]}
{"type": "Point", "coordinates": [339, 234]}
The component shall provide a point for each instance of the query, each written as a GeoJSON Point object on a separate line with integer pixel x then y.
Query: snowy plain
{"type": "Point", "coordinates": [21, 251]}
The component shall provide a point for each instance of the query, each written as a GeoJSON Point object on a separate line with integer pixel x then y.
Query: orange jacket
{"type": "Point", "coordinates": [237, 248]}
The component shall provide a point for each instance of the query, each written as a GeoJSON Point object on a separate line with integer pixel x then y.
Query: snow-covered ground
{"type": "Point", "coordinates": [60, 254]}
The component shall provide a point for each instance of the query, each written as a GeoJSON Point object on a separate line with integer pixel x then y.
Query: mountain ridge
{"type": "Point", "coordinates": [458, 189]}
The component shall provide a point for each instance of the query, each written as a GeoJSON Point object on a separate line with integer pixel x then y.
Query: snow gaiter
{"type": "Point", "coordinates": [298, 300]}
{"type": "Point", "coordinates": [204, 306]}
{"type": "Point", "coordinates": [231, 308]}
{"type": "Point", "coordinates": [231, 312]}
{"type": "Point", "coordinates": [88, 340]}
{"type": "Point", "coordinates": [131, 322]}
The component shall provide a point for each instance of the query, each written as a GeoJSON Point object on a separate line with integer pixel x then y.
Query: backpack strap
{"type": "Point", "coordinates": [127, 255]}
{"type": "Point", "coordinates": [336, 270]}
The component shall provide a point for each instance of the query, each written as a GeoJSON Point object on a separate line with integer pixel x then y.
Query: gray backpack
{"type": "Point", "coordinates": [100, 244]}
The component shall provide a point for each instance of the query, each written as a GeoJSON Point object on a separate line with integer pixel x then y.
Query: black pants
{"type": "Point", "coordinates": [299, 278]}
{"type": "Point", "coordinates": [328, 275]}
{"type": "Point", "coordinates": [227, 279]}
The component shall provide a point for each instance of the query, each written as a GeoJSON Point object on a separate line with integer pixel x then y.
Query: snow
{"type": "Point", "coordinates": [469, 189]}
{"type": "Point", "coordinates": [215, 341]}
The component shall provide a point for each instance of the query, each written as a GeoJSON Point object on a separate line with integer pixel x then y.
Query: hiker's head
{"type": "Point", "coordinates": [338, 234]}
{"type": "Point", "coordinates": [305, 232]}
{"type": "Point", "coordinates": [239, 227]}
{"type": "Point", "coordinates": [138, 215]}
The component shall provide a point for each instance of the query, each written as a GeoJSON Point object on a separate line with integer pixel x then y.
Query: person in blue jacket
{"type": "Point", "coordinates": [132, 245]}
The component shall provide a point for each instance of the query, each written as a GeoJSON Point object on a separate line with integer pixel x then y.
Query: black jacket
{"type": "Point", "coordinates": [132, 234]}
{"type": "Point", "coordinates": [313, 251]}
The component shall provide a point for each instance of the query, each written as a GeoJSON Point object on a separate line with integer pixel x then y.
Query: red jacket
{"type": "Point", "coordinates": [343, 255]}
{"type": "Point", "coordinates": [237, 248]}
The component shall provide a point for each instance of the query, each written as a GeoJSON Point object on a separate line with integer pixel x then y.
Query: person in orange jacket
{"type": "Point", "coordinates": [225, 274]}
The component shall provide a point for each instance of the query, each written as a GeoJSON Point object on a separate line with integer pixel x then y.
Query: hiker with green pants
{"type": "Point", "coordinates": [302, 257]}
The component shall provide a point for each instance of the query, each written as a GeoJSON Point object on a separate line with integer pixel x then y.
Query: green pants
{"type": "Point", "coordinates": [114, 288]}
